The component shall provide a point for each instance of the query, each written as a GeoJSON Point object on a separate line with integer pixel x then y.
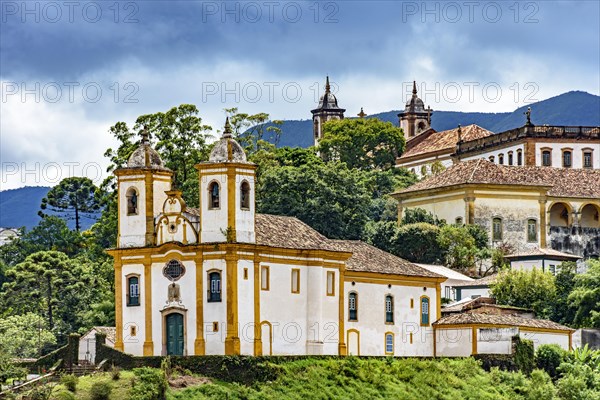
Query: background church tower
{"type": "Point", "coordinates": [141, 193]}
{"type": "Point", "coordinates": [327, 110]}
{"type": "Point", "coordinates": [227, 193]}
{"type": "Point", "coordinates": [415, 119]}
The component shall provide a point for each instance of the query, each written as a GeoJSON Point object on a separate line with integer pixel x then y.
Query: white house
{"type": "Point", "coordinates": [87, 342]}
{"type": "Point", "coordinates": [544, 259]}
{"type": "Point", "coordinates": [223, 279]}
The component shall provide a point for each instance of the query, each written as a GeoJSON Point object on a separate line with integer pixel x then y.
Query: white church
{"type": "Point", "coordinates": [223, 279]}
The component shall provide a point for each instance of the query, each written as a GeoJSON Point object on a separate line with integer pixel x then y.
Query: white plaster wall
{"type": "Point", "coordinates": [244, 219]}
{"type": "Point", "coordinates": [454, 342]}
{"type": "Point", "coordinates": [469, 292]}
{"type": "Point", "coordinates": [371, 318]}
{"type": "Point", "coordinates": [329, 325]}
{"type": "Point", "coordinates": [213, 222]}
{"type": "Point", "coordinates": [88, 343]}
{"type": "Point", "coordinates": [540, 338]}
{"type": "Point", "coordinates": [160, 187]}
{"type": "Point", "coordinates": [160, 287]}
{"type": "Point", "coordinates": [133, 315]}
{"type": "Point", "coordinates": [216, 311]}
{"type": "Point", "coordinates": [577, 153]}
{"type": "Point", "coordinates": [495, 340]}
{"type": "Point", "coordinates": [132, 227]}
{"type": "Point", "coordinates": [246, 307]}
{"type": "Point", "coordinates": [448, 210]}
{"type": "Point", "coordinates": [496, 152]}
{"type": "Point", "coordinates": [286, 311]}
{"type": "Point", "coordinates": [514, 213]}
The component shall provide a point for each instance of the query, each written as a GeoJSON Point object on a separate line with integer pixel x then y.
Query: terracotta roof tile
{"type": "Point", "coordinates": [561, 182]}
{"type": "Point", "coordinates": [542, 253]}
{"type": "Point", "coordinates": [367, 258]}
{"type": "Point", "coordinates": [445, 140]}
{"type": "Point", "coordinates": [499, 319]}
{"type": "Point", "coordinates": [289, 232]}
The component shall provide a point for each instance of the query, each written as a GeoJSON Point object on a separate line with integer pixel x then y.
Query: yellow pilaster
{"type": "Point", "coordinates": [118, 305]}
{"type": "Point", "coordinates": [232, 340]}
{"type": "Point", "coordinates": [399, 212]}
{"type": "Point", "coordinates": [474, 340]}
{"type": "Point", "coordinates": [257, 327]}
{"type": "Point", "coordinates": [149, 209]}
{"type": "Point", "coordinates": [231, 203]}
{"type": "Point", "coordinates": [148, 344]}
{"type": "Point", "coordinates": [438, 293]}
{"type": "Point", "coordinates": [470, 209]}
{"type": "Point", "coordinates": [543, 222]}
{"type": "Point", "coordinates": [199, 342]}
{"type": "Point", "coordinates": [342, 349]}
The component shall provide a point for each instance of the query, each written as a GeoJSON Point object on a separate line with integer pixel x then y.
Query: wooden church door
{"type": "Point", "coordinates": [175, 334]}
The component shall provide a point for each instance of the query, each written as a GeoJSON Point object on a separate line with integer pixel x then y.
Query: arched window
{"type": "Point", "coordinates": [132, 201]}
{"type": "Point", "coordinates": [245, 195]}
{"type": "Point", "coordinates": [353, 307]}
{"type": "Point", "coordinates": [497, 229]}
{"type": "Point", "coordinates": [510, 158]}
{"type": "Point", "coordinates": [214, 195]}
{"type": "Point", "coordinates": [531, 230]}
{"type": "Point", "coordinates": [389, 343]}
{"type": "Point", "coordinates": [492, 159]}
{"type": "Point", "coordinates": [501, 159]}
{"type": "Point", "coordinates": [546, 158]}
{"type": "Point", "coordinates": [567, 157]}
{"type": "Point", "coordinates": [588, 160]}
{"type": "Point", "coordinates": [389, 309]}
{"type": "Point", "coordinates": [458, 221]}
{"type": "Point", "coordinates": [133, 291]}
{"type": "Point", "coordinates": [214, 287]}
{"type": "Point", "coordinates": [519, 157]}
{"type": "Point", "coordinates": [424, 311]}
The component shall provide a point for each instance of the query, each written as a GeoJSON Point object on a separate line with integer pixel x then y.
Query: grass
{"type": "Point", "coordinates": [120, 387]}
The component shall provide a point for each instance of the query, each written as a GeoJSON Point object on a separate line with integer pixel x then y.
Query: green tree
{"type": "Point", "coordinates": [459, 247]}
{"type": "Point", "coordinates": [532, 289]}
{"type": "Point", "coordinates": [74, 196]}
{"type": "Point", "coordinates": [329, 197]}
{"type": "Point", "coordinates": [585, 297]}
{"type": "Point", "coordinates": [24, 336]}
{"type": "Point", "coordinates": [49, 284]}
{"type": "Point", "coordinates": [417, 243]}
{"type": "Point", "coordinates": [563, 310]}
{"type": "Point", "coordinates": [381, 234]}
{"type": "Point", "coordinates": [250, 130]}
{"type": "Point", "coordinates": [417, 215]}
{"type": "Point", "coordinates": [51, 233]}
{"type": "Point", "coordinates": [362, 143]}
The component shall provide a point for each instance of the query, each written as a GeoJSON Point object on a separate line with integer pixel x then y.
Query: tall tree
{"type": "Point", "coordinates": [585, 297]}
{"type": "Point", "coordinates": [50, 284]}
{"type": "Point", "coordinates": [24, 336]}
{"type": "Point", "coordinates": [74, 196]}
{"type": "Point", "coordinates": [250, 129]}
{"type": "Point", "coordinates": [362, 143]}
{"type": "Point", "coordinates": [532, 289]}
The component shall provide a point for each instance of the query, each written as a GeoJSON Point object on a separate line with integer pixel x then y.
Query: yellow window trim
{"type": "Point", "coordinates": [295, 271]}
{"type": "Point", "coordinates": [332, 274]}
{"type": "Point", "coordinates": [385, 343]}
{"type": "Point", "coordinates": [265, 285]}
{"type": "Point", "coordinates": [421, 310]}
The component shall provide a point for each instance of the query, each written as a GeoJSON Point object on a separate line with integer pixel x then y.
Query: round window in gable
{"type": "Point", "coordinates": [173, 270]}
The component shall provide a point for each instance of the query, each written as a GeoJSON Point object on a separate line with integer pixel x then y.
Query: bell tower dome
{"type": "Point", "coordinates": [227, 193]}
{"type": "Point", "coordinates": [327, 110]}
{"type": "Point", "coordinates": [141, 188]}
{"type": "Point", "coordinates": [415, 119]}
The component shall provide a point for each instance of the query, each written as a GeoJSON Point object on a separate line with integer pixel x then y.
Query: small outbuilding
{"type": "Point", "coordinates": [87, 343]}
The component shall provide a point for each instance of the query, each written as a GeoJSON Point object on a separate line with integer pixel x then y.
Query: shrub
{"type": "Point", "coordinates": [64, 395]}
{"type": "Point", "coordinates": [70, 382]}
{"type": "Point", "coordinates": [524, 355]}
{"type": "Point", "coordinates": [115, 373]}
{"type": "Point", "coordinates": [42, 392]}
{"type": "Point", "coordinates": [150, 384]}
{"type": "Point", "coordinates": [548, 357]}
{"type": "Point", "coordinates": [100, 391]}
{"type": "Point", "coordinates": [541, 386]}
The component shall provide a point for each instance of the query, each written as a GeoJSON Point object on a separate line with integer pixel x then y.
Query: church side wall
{"type": "Point", "coordinates": [454, 342]}
{"type": "Point", "coordinates": [371, 323]}
{"type": "Point", "coordinates": [246, 306]}
{"type": "Point", "coordinates": [215, 311]}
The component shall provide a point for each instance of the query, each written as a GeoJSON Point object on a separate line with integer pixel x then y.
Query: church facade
{"type": "Point", "coordinates": [224, 279]}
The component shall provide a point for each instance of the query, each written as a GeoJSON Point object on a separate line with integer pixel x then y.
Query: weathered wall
{"type": "Point", "coordinates": [583, 242]}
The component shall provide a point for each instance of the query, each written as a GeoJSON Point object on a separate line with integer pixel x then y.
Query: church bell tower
{"type": "Point", "coordinates": [326, 111]}
{"type": "Point", "coordinates": [415, 119]}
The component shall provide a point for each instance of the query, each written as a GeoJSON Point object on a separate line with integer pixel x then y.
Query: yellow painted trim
{"type": "Point", "coordinates": [412, 303]}
{"type": "Point", "coordinates": [199, 342]}
{"type": "Point", "coordinates": [231, 203]}
{"type": "Point", "coordinates": [357, 338]}
{"type": "Point", "coordinates": [148, 343]}
{"type": "Point", "coordinates": [332, 292]}
{"type": "Point", "coordinates": [385, 343]}
{"type": "Point", "coordinates": [149, 197]}
{"type": "Point", "coordinates": [131, 275]}
{"type": "Point", "coordinates": [342, 348]}
{"type": "Point", "coordinates": [118, 306]}
{"type": "Point", "coordinates": [257, 326]}
{"type": "Point", "coordinates": [411, 338]}
{"type": "Point", "coordinates": [297, 272]}
{"type": "Point", "coordinates": [265, 285]}
{"type": "Point", "coordinates": [270, 336]}
{"type": "Point", "coordinates": [355, 305]}
{"type": "Point", "coordinates": [385, 309]}
{"type": "Point", "coordinates": [438, 295]}
{"type": "Point", "coordinates": [421, 310]}
{"type": "Point", "coordinates": [521, 328]}
{"type": "Point", "coordinates": [404, 280]}
{"type": "Point", "coordinates": [473, 341]}
{"type": "Point", "coordinates": [232, 340]}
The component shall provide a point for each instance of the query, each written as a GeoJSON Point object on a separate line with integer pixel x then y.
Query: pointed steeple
{"type": "Point", "coordinates": [227, 132]}
{"type": "Point", "coordinates": [327, 86]}
{"type": "Point", "coordinates": [414, 92]}
{"type": "Point", "coordinates": [361, 114]}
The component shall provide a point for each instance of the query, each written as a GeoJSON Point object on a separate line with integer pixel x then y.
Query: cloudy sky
{"type": "Point", "coordinates": [70, 70]}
